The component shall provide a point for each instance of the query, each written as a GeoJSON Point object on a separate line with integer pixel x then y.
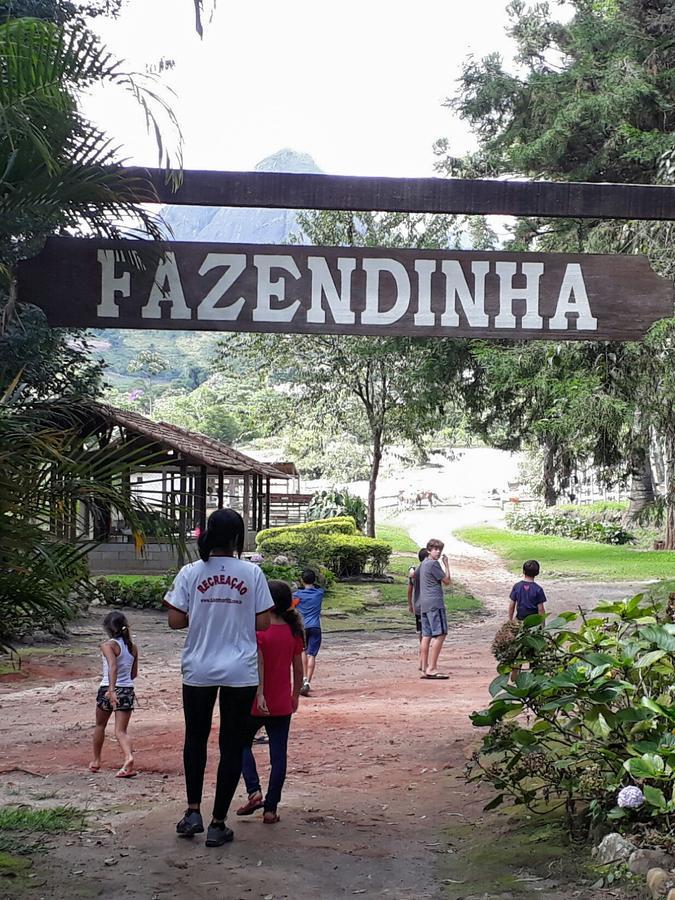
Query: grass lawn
{"type": "Point", "coordinates": [398, 537]}
{"type": "Point", "coordinates": [563, 556]}
{"type": "Point", "coordinates": [384, 607]}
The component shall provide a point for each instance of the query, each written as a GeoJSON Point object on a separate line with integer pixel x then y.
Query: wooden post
{"type": "Point", "coordinates": [259, 479]}
{"type": "Point", "coordinates": [182, 508]}
{"type": "Point", "coordinates": [254, 505]}
{"type": "Point", "coordinates": [247, 501]}
{"type": "Point", "coordinates": [267, 503]}
{"type": "Point", "coordinates": [220, 489]}
{"type": "Point", "coordinates": [200, 499]}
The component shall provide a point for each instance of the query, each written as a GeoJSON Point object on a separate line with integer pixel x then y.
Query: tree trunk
{"type": "Point", "coordinates": [641, 493]}
{"type": "Point", "coordinates": [550, 492]}
{"type": "Point", "coordinates": [656, 455]}
{"type": "Point", "coordinates": [372, 484]}
{"type": "Point", "coordinates": [670, 489]}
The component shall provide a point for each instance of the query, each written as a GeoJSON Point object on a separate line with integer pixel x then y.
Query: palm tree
{"type": "Point", "coordinates": [58, 172]}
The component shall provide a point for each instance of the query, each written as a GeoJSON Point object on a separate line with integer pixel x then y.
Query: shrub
{"type": "Point", "coordinates": [337, 525]}
{"type": "Point", "coordinates": [328, 504]}
{"type": "Point", "coordinates": [599, 511]}
{"type": "Point", "coordinates": [139, 593]}
{"type": "Point", "coordinates": [344, 554]}
{"type": "Point", "coordinates": [504, 646]}
{"type": "Point", "coordinates": [544, 522]}
{"type": "Point", "coordinates": [292, 573]}
{"type": "Point", "coordinates": [594, 713]}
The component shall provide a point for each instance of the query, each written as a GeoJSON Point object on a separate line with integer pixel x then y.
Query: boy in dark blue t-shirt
{"type": "Point", "coordinates": [527, 597]}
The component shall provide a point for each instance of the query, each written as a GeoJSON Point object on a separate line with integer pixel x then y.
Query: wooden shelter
{"type": "Point", "coordinates": [186, 476]}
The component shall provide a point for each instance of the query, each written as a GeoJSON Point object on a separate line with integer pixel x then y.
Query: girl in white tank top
{"type": "Point", "coordinates": [116, 691]}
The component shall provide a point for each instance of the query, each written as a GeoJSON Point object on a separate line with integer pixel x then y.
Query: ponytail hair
{"type": "Point", "coordinates": [117, 626]}
{"type": "Point", "coordinates": [225, 530]}
{"type": "Point", "coordinates": [282, 598]}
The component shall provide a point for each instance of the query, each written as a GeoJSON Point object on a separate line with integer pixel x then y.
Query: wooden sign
{"type": "Point", "coordinates": [344, 290]}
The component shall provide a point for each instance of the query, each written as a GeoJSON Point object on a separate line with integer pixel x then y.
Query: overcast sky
{"type": "Point", "coordinates": [359, 85]}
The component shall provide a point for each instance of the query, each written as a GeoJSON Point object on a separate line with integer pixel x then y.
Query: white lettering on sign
{"type": "Point", "coordinates": [374, 269]}
{"type": "Point", "coordinates": [340, 303]}
{"type": "Point", "coordinates": [573, 286]}
{"type": "Point", "coordinates": [236, 265]}
{"type": "Point", "coordinates": [425, 268]}
{"type": "Point", "coordinates": [268, 289]}
{"type": "Point", "coordinates": [457, 288]}
{"type": "Point", "coordinates": [530, 294]}
{"type": "Point", "coordinates": [167, 289]}
{"type": "Point", "coordinates": [111, 285]}
{"type": "Point", "coordinates": [308, 288]}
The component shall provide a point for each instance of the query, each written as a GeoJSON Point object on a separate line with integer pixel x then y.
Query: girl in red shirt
{"type": "Point", "coordinates": [280, 649]}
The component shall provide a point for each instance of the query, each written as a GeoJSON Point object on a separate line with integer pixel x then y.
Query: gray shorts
{"type": "Point", "coordinates": [434, 623]}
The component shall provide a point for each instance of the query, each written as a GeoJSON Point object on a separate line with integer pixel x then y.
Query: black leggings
{"type": "Point", "coordinates": [235, 708]}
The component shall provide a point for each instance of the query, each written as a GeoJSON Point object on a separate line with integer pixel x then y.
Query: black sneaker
{"type": "Point", "coordinates": [190, 824]}
{"type": "Point", "coordinates": [217, 835]}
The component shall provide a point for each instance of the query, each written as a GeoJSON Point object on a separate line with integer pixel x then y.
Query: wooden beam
{"type": "Point", "coordinates": [289, 190]}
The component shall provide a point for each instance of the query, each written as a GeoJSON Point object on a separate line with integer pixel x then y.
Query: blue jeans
{"type": "Point", "coordinates": [277, 728]}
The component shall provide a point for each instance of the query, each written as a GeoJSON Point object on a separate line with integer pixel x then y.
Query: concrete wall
{"type": "Point", "coordinates": [122, 559]}
{"type": "Point", "coordinates": [157, 559]}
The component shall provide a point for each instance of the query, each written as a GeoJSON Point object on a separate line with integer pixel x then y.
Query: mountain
{"type": "Point", "coordinates": [189, 353]}
{"type": "Point", "coordinates": [242, 225]}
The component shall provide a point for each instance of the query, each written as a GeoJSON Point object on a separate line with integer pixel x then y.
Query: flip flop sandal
{"type": "Point", "coordinates": [250, 807]}
{"type": "Point", "coordinates": [271, 818]}
{"type": "Point", "coordinates": [436, 677]}
{"type": "Point", "coordinates": [124, 773]}
{"type": "Point", "coordinates": [94, 769]}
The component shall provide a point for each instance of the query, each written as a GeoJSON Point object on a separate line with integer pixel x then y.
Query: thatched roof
{"type": "Point", "coordinates": [195, 448]}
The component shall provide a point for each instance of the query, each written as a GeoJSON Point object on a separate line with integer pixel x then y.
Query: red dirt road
{"type": "Point", "coordinates": [374, 803]}
{"type": "Point", "coordinates": [366, 795]}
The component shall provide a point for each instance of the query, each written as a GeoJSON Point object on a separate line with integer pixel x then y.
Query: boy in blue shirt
{"type": "Point", "coordinates": [310, 599]}
{"type": "Point", "coordinates": [527, 597]}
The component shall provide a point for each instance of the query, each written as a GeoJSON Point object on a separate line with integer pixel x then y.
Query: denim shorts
{"type": "Point", "coordinates": [313, 636]}
{"type": "Point", "coordinates": [434, 623]}
{"type": "Point", "coordinates": [125, 699]}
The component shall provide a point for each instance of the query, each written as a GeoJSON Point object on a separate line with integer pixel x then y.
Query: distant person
{"type": "Point", "coordinates": [310, 600]}
{"type": "Point", "coordinates": [527, 597]}
{"type": "Point", "coordinates": [223, 601]}
{"type": "Point", "coordinates": [432, 578]}
{"type": "Point", "coordinates": [116, 692]}
{"type": "Point", "coordinates": [414, 597]}
{"type": "Point", "coordinates": [280, 650]}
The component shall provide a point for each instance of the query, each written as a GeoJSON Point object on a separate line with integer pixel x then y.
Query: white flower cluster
{"type": "Point", "coordinates": [630, 798]}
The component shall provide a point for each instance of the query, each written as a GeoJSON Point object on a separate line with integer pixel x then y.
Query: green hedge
{"type": "Point", "coordinates": [141, 593]}
{"type": "Point", "coordinates": [292, 573]}
{"type": "Point", "coordinates": [344, 554]}
{"type": "Point", "coordinates": [337, 525]}
{"type": "Point", "coordinates": [543, 522]}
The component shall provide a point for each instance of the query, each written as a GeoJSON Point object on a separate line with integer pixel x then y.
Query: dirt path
{"type": "Point", "coordinates": [374, 805]}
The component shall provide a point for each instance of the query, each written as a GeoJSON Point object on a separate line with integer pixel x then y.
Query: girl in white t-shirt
{"type": "Point", "coordinates": [222, 600]}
